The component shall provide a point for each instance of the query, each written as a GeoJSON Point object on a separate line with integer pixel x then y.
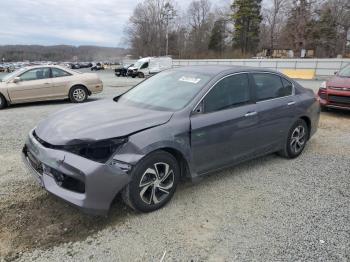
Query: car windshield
{"type": "Point", "coordinates": [345, 72]}
{"type": "Point", "coordinates": [13, 74]}
{"type": "Point", "coordinates": [169, 90]}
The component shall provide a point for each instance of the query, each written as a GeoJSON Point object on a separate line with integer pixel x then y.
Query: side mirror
{"type": "Point", "coordinates": [16, 79]}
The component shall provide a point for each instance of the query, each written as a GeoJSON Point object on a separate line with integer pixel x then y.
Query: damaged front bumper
{"type": "Point", "coordinates": [87, 184]}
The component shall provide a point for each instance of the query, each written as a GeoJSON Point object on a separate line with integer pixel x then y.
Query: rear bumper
{"type": "Point", "coordinates": [101, 182]}
{"type": "Point", "coordinates": [95, 89]}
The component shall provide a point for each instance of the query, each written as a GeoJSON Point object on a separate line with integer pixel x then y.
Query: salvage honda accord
{"type": "Point", "coordinates": [181, 123]}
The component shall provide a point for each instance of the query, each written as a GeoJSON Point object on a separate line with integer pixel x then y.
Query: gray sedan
{"type": "Point", "coordinates": [181, 123]}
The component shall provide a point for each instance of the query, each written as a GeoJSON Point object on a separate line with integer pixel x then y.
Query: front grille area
{"type": "Point", "coordinates": [35, 163]}
{"type": "Point", "coordinates": [347, 89]}
{"type": "Point", "coordinates": [323, 95]}
{"type": "Point", "coordinates": [61, 179]}
{"type": "Point", "coordinates": [339, 99]}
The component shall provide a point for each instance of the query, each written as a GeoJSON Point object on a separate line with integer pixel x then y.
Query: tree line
{"type": "Point", "coordinates": [241, 29]}
{"type": "Point", "coordinates": [12, 53]}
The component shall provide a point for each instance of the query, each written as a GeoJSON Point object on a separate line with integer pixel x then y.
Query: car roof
{"type": "Point", "coordinates": [45, 66]}
{"type": "Point", "coordinates": [217, 69]}
{"type": "Point", "coordinates": [41, 66]}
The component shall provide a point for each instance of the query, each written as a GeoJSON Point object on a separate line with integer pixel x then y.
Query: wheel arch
{"type": "Point", "coordinates": [180, 158]}
{"type": "Point", "coordinates": [308, 123]}
{"type": "Point", "coordinates": [6, 98]}
{"type": "Point", "coordinates": [79, 85]}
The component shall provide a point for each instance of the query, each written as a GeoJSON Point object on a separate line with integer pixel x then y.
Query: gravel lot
{"type": "Point", "coordinates": [269, 209]}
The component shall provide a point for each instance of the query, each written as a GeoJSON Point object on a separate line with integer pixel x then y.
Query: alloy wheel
{"type": "Point", "coordinates": [298, 139]}
{"type": "Point", "coordinates": [156, 183]}
{"type": "Point", "coordinates": [79, 94]}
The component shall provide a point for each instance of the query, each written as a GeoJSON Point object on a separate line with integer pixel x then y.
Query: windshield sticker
{"type": "Point", "coordinates": [189, 79]}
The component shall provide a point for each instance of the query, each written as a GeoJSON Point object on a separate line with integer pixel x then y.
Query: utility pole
{"type": "Point", "coordinates": [167, 36]}
{"type": "Point", "coordinates": [169, 14]}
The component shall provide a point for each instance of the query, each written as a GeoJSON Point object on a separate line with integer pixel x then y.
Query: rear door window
{"type": "Point", "coordinates": [288, 86]}
{"type": "Point", "coordinates": [56, 72]}
{"type": "Point", "coordinates": [270, 86]}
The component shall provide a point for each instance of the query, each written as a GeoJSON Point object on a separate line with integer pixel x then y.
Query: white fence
{"type": "Point", "coordinates": [322, 67]}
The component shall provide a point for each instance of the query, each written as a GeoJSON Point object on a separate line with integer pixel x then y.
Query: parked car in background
{"type": "Point", "coordinates": [8, 67]}
{"type": "Point", "coordinates": [184, 122]}
{"type": "Point", "coordinates": [150, 65]}
{"type": "Point", "coordinates": [335, 93]}
{"type": "Point", "coordinates": [123, 70]}
{"type": "Point", "coordinates": [74, 66]}
{"type": "Point", "coordinates": [98, 66]}
{"type": "Point", "coordinates": [47, 82]}
{"type": "Point", "coordinates": [85, 64]}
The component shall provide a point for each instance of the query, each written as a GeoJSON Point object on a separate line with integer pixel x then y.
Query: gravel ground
{"type": "Point", "coordinates": [269, 209]}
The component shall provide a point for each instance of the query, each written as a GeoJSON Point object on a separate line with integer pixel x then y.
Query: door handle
{"type": "Point", "coordinates": [250, 114]}
{"type": "Point", "coordinates": [291, 103]}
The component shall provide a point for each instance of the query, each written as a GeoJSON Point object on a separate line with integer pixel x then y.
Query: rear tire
{"type": "Point", "coordinates": [78, 94]}
{"type": "Point", "coordinates": [298, 136]}
{"type": "Point", "coordinates": [3, 102]}
{"type": "Point", "coordinates": [153, 183]}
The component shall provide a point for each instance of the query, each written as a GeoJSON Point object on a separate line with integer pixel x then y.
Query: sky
{"type": "Point", "coordinates": [72, 22]}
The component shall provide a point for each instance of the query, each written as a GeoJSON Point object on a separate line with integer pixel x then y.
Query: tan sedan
{"type": "Point", "coordinates": [40, 83]}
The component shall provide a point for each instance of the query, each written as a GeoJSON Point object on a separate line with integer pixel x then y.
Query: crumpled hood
{"type": "Point", "coordinates": [96, 121]}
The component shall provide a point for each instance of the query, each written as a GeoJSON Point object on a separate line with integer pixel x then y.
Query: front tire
{"type": "Point", "coordinates": [153, 183]}
{"type": "Point", "coordinates": [78, 94]}
{"type": "Point", "coordinates": [141, 75]}
{"type": "Point", "coordinates": [297, 138]}
{"type": "Point", "coordinates": [3, 102]}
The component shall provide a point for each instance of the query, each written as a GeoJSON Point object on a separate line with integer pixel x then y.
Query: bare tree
{"type": "Point", "coordinates": [274, 19]}
{"type": "Point", "coordinates": [201, 21]}
{"type": "Point", "coordinates": [148, 25]}
{"type": "Point", "coordinates": [159, 25]}
{"type": "Point", "coordinates": [341, 12]}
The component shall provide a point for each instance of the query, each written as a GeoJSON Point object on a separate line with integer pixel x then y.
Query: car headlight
{"type": "Point", "coordinates": [323, 85]}
{"type": "Point", "coordinates": [99, 151]}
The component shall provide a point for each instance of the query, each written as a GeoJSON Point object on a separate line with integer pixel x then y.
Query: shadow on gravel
{"type": "Point", "coordinates": [51, 102]}
{"type": "Point", "coordinates": [47, 221]}
{"type": "Point", "coordinates": [336, 112]}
